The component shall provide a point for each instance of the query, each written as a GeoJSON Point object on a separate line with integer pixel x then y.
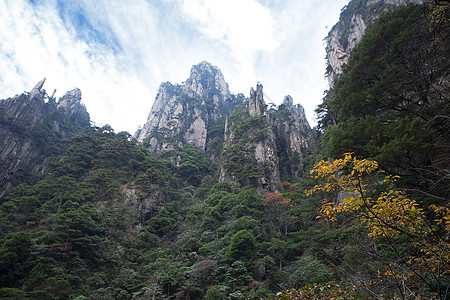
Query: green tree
{"type": "Point", "coordinates": [417, 248]}
{"type": "Point", "coordinates": [216, 292]}
{"type": "Point", "coordinates": [391, 102]}
{"type": "Point", "coordinates": [242, 246]}
{"type": "Point", "coordinates": [14, 258]}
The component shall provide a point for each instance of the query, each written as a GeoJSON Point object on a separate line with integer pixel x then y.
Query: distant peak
{"type": "Point", "coordinates": [205, 63]}
{"type": "Point", "coordinates": [204, 66]}
{"type": "Point", "coordinates": [37, 88]}
{"type": "Point", "coordinates": [39, 85]}
{"type": "Point", "coordinates": [288, 100]}
{"type": "Point", "coordinates": [205, 77]}
{"type": "Point", "coordinates": [73, 94]}
{"type": "Point", "coordinates": [71, 101]}
{"type": "Point", "coordinates": [256, 104]}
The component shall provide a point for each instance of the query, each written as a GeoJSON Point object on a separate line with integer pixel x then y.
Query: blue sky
{"type": "Point", "coordinates": [118, 52]}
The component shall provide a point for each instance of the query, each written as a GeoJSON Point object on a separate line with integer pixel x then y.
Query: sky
{"type": "Point", "coordinates": [119, 52]}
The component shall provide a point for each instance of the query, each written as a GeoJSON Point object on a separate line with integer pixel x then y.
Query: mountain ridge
{"type": "Point", "coordinates": [217, 201]}
{"type": "Point", "coordinates": [31, 127]}
{"type": "Point", "coordinates": [198, 112]}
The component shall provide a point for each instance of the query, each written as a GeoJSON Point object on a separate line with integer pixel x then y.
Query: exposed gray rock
{"type": "Point", "coordinates": [165, 112]}
{"type": "Point", "coordinates": [256, 105]}
{"type": "Point", "coordinates": [204, 78]}
{"type": "Point", "coordinates": [196, 134]}
{"type": "Point", "coordinates": [295, 138]}
{"type": "Point", "coordinates": [261, 153]}
{"type": "Point", "coordinates": [26, 119]}
{"type": "Point", "coordinates": [71, 101]}
{"type": "Point", "coordinates": [347, 33]}
{"type": "Point", "coordinates": [358, 28]}
{"type": "Point", "coordinates": [186, 113]}
{"type": "Point", "coordinates": [140, 204]}
{"type": "Point", "coordinates": [393, 2]}
{"type": "Point", "coordinates": [198, 113]}
{"type": "Point", "coordinates": [37, 89]}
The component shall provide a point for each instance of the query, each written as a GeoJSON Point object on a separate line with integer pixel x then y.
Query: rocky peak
{"type": "Point", "coordinates": [288, 101]}
{"type": "Point", "coordinates": [37, 89]}
{"type": "Point", "coordinates": [347, 33]}
{"type": "Point", "coordinates": [72, 96]}
{"type": "Point", "coordinates": [235, 131]}
{"type": "Point", "coordinates": [186, 113]}
{"type": "Point", "coordinates": [71, 101]}
{"type": "Point", "coordinates": [256, 105]}
{"type": "Point", "coordinates": [297, 111]}
{"type": "Point", "coordinates": [295, 138]}
{"type": "Point", "coordinates": [33, 126]}
{"type": "Point", "coordinates": [249, 135]}
{"type": "Point", "coordinates": [207, 78]}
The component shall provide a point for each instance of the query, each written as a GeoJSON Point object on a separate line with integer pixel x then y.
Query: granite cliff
{"type": "Point", "coordinates": [347, 33]}
{"type": "Point", "coordinates": [294, 138]}
{"type": "Point", "coordinates": [32, 126]}
{"type": "Point", "coordinates": [190, 113]}
{"type": "Point", "coordinates": [249, 156]}
{"type": "Point", "coordinates": [253, 145]}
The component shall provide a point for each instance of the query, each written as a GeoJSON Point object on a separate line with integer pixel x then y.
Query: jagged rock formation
{"type": "Point", "coordinates": [295, 139]}
{"type": "Point", "coordinates": [347, 33]}
{"type": "Point", "coordinates": [188, 114]}
{"type": "Point", "coordinates": [264, 147]}
{"type": "Point", "coordinates": [31, 125]}
{"type": "Point", "coordinates": [257, 105]}
{"type": "Point", "coordinates": [250, 143]}
{"type": "Point", "coordinates": [250, 153]}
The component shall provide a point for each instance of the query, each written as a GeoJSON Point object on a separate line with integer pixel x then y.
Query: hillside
{"type": "Point", "coordinates": [32, 127]}
{"type": "Point", "coordinates": [221, 196]}
{"type": "Point", "coordinates": [348, 32]}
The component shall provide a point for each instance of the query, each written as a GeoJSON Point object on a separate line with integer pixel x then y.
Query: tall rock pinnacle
{"type": "Point", "coordinates": [183, 113]}
{"type": "Point", "coordinates": [256, 105]}
{"type": "Point", "coordinates": [37, 88]}
{"type": "Point", "coordinates": [206, 78]}
{"type": "Point", "coordinates": [255, 143]}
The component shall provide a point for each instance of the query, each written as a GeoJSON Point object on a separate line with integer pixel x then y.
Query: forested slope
{"type": "Point", "coordinates": [111, 220]}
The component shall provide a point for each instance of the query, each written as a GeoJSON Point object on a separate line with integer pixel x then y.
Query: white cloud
{"type": "Point", "coordinates": [118, 53]}
{"type": "Point", "coordinates": [37, 44]}
{"type": "Point", "coordinates": [245, 27]}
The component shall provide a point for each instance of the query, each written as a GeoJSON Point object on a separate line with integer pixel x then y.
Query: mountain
{"type": "Point", "coordinates": [249, 155]}
{"type": "Point", "coordinates": [32, 126]}
{"type": "Point", "coordinates": [294, 139]}
{"type": "Point", "coordinates": [347, 33]}
{"type": "Point", "coordinates": [263, 147]}
{"type": "Point", "coordinates": [247, 140]}
{"type": "Point", "coordinates": [211, 199]}
{"type": "Point", "coordinates": [188, 114]}
{"type": "Point", "coordinates": [391, 101]}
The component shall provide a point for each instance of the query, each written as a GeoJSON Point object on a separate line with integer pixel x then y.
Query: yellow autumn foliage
{"type": "Point", "coordinates": [390, 214]}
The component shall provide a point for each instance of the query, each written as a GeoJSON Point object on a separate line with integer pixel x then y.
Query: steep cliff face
{"type": "Point", "coordinates": [31, 127]}
{"type": "Point", "coordinates": [188, 114]}
{"type": "Point", "coordinates": [249, 155]}
{"type": "Point", "coordinates": [347, 33]}
{"type": "Point", "coordinates": [251, 144]}
{"type": "Point", "coordinates": [294, 138]}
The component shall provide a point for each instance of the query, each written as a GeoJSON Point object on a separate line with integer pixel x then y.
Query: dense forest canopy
{"type": "Point", "coordinates": [111, 220]}
{"type": "Point", "coordinates": [391, 104]}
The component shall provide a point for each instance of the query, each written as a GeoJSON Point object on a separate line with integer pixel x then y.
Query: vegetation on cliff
{"type": "Point", "coordinates": [110, 220]}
